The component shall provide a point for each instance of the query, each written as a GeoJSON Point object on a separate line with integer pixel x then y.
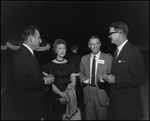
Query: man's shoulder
{"type": "Point", "coordinates": [129, 47]}
{"type": "Point", "coordinates": [19, 50]}
{"type": "Point", "coordinates": [107, 55]}
{"type": "Point", "coordinates": [86, 56]}
{"type": "Point", "coordinates": [22, 51]}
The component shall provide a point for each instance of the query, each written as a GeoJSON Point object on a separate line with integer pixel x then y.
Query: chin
{"type": "Point", "coordinates": [95, 52]}
{"type": "Point", "coordinates": [62, 56]}
{"type": "Point", "coordinates": [112, 42]}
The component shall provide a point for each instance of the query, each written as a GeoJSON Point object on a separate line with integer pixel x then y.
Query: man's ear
{"type": "Point", "coordinates": [30, 38]}
{"type": "Point", "coordinates": [89, 46]}
{"type": "Point", "coordinates": [100, 44]}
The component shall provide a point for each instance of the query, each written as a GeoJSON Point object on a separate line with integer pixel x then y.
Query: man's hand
{"type": "Point", "coordinates": [49, 79]}
{"type": "Point", "coordinates": [86, 81]}
{"type": "Point", "coordinates": [103, 77]}
{"type": "Point", "coordinates": [111, 78]}
{"type": "Point", "coordinates": [75, 74]}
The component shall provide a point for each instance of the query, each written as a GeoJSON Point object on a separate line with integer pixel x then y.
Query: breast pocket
{"type": "Point", "coordinates": [103, 68]}
{"type": "Point", "coordinates": [122, 66]}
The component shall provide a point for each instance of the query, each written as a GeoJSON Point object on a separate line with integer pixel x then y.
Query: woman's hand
{"type": "Point", "coordinates": [62, 99]}
{"type": "Point", "coordinates": [75, 74]}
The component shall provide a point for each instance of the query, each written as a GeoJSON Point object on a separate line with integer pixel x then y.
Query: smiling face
{"type": "Point", "coordinates": [94, 45]}
{"type": "Point", "coordinates": [60, 50]}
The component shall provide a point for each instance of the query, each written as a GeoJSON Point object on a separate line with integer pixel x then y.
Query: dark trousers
{"type": "Point", "coordinates": [56, 111]}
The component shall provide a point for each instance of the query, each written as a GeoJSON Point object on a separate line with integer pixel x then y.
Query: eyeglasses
{"type": "Point", "coordinates": [111, 34]}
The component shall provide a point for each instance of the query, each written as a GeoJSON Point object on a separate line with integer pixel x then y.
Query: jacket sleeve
{"type": "Point", "coordinates": [82, 69]}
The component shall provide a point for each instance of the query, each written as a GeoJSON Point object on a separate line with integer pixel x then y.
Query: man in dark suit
{"type": "Point", "coordinates": [95, 97]}
{"type": "Point", "coordinates": [74, 57]}
{"type": "Point", "coordinates": [29, 79]}
{"type": "Point", "coordinates": [127, 74]}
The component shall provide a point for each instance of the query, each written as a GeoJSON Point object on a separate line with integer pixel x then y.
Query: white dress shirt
{"type": "Point", "coordinates": [97, 56]}
{"type": "Point", "coordinates": [28, 48]}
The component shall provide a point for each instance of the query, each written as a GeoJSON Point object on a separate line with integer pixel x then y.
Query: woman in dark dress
{"type": "Point", "coordinates": [64, 73]}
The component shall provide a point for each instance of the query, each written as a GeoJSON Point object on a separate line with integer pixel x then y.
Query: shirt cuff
{"type": "Point", "coordinates": [44, 80]}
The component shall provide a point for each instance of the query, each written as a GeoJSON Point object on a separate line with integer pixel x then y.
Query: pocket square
{"type": "Point", "coordinates": [120, 61]}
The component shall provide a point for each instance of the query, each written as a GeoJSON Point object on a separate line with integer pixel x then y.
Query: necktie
{"type": "Point", "coordinates": [36, 61]}
{"type": "Point", "coordinates": [35, 58]}
{"type": "Point", "coordinates": [93, 72]}
{"type": "Point", "coordinates": [117, 53]}
{"type": "Point", "coordinates": [115, 56]}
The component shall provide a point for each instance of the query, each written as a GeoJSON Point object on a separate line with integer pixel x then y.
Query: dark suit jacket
{"type": "Point", "coordinates": [74, 58]}
{"type": "Point", "coordinates": [129, 72]}
{"type": "Point", "coordinates": [29, 84]}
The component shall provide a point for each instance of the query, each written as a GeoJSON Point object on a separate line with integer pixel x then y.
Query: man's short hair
{"type": "Point", "coordinates": [29, 30]}
{"type": "Point", "coordinates": [94, 37]}
{"type": "Point", "coordinates": [118, 25]}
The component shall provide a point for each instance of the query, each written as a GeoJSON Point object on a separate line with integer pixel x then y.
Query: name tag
{"type": "Point", "coordinates": [101, 61]}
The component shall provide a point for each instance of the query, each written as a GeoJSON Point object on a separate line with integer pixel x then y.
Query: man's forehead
{"type": "Point", "coordinates": [37, 33]}
{"type": "Point", "coordinates": [94, 40]}
{"type": "Point", "coordinates": [112, 29]}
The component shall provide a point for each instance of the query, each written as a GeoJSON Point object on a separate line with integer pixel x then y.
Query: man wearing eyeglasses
{"type": "Point", "coordinates": [127, 74]}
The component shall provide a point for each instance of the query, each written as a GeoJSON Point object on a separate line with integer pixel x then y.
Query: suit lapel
{"type": "Point", "coordinates": [88, 67]}
{"type": "Point", "coordinates": [114, 59]}
{"type": "Point", "coordinates": [36, 62]}
{"type": "Point", "coordinates": [31, 56]}
{"type": "Point", "coordinates": [120, 54]}
{"type": "Point", "coordinates": [100, 65]}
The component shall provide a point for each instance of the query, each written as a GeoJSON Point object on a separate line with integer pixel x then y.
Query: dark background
{"type": "Point", "coordinates": [73, 21]}
{"type": "Point", "coordinates": [76, 21]}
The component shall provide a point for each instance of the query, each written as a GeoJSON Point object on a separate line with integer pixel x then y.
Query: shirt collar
{"type": "Point", "coordinates": [97, 55]}
{"type": "Point", "coordinates": [121, 46]}
{"type": "Point", "coordinates": [28, 48]}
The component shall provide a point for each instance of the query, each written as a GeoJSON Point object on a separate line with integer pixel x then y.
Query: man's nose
{"type": "Point", "coordinates": [40, 40]}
